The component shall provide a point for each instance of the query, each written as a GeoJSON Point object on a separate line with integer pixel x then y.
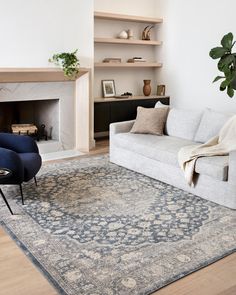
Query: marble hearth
{"type": "Point", "coordinates": [58, 103]}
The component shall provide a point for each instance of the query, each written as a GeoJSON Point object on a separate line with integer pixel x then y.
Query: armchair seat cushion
{"type": "Point", "coordinates": [32, 163]}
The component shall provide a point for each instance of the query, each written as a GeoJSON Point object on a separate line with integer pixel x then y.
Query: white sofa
{"type": "Point", "coordinates": [157, 156]}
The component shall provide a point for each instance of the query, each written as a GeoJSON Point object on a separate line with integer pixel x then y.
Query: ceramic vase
{"type": "Point", "coordinates": [147, 87]}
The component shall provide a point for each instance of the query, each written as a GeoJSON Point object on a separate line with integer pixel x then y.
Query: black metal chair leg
{"type": "Point", "coordinates": [5, 200]}
{"type": "Point", "coordinates": [22, 196]}
{"type": "Point", "coordinates": [35, 180]}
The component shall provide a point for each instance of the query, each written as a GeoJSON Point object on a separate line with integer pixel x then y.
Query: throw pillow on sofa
{"type": "Point", "coordinates": [160, 105]}
{"type": "Point", "coordinates": [210, 125]}
{"type": "Point", "coordinates": [150, 121]}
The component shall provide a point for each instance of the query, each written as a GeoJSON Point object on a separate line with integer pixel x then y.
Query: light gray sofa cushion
{"type": "Point", "coordinates": [161, 148]}
{"type": "Point", "coordinates": [210, 125]}
{"type": "Point", "coordinates": [216, 167]}
{"type": "Point", "coordinates": [183, 123]}
{"type": "Point", "coordinates": [165, 149]}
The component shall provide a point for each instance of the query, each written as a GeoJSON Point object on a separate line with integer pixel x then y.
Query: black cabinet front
{"type": "Point", "coordinates": [118, 111]}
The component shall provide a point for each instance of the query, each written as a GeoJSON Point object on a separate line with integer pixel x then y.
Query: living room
{"type": "Point", "coordinates": [117, 150]}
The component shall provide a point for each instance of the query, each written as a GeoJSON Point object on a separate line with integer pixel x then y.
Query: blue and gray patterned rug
{"type": "Point", "coordinates": [96, 228]}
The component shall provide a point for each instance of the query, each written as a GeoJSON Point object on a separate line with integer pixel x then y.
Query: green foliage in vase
{"type": "Point", "coordinates": [226, 64]}
{"type": "Point", "coordinates": [68, 62]}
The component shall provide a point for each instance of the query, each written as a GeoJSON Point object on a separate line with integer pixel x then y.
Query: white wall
{"type": "Point", "coordinates": [132, 7]}
{"type": "Point", "coordinates": [32, 31]}
{"type": "Point", "coordinates": [190, 29]}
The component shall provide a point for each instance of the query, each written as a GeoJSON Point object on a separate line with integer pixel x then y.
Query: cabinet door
{"type": "Point", "coordinates": [101, 116]}
{"type": "Point", "coordinates": [146, 103]}
{"type": "Point", "coordinates": [122, 111]}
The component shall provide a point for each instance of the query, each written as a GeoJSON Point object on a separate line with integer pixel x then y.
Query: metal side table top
{"type": "Point", "coordinates": [4, 174]}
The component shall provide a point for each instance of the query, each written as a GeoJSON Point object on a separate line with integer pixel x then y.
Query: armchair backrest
{"type": "Point", "coordinates": [18, 143]}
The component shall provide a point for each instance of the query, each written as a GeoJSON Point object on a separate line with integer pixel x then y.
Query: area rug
{"type": "Point", "coordinates": [95, 228]}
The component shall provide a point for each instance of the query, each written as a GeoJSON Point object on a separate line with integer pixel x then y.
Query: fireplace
{"type": "Point", "coordinates": [44, 96]}
{"type": "Point", "coordinates": [36, 112]}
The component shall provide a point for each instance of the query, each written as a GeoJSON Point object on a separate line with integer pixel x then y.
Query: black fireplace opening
{"type": "Point", "coordinates": [43, 114]}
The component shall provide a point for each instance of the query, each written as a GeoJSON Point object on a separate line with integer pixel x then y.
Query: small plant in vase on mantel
{"type": "Point", "coordinates": [68, 62]}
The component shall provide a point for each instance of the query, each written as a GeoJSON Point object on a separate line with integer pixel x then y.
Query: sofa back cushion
{"type": "Point", "coordinates": [210, 125]}
{"type": "Point", "coordinates": [183, 123]}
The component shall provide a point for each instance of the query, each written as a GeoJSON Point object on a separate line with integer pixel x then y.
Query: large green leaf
{"type": "Point", "coordinates": [230, 91]}
{"type": "Point", "coordinates": [226, 63]}
{"type": "Point", "coordinates": [227, 41]}
{"type": "Point", "coordinates": [224, 84]}
{"type": "Point", "coordinates": [233, 83]}
{"type": "Point", "coordinates": [218, 52]}
{"type": "Point", "coordinates": [218, 78]}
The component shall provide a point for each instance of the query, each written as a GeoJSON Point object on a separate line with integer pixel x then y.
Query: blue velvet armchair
{"type": "Point", "coordinates": [20, 155]}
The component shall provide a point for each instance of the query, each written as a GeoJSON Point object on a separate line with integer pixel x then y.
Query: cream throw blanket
{"type": "Point", "coordinates": [220, 145]}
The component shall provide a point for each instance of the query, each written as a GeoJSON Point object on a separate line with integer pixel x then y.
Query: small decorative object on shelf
{"type": "Point", "coordinates": [161, 90]}
{"type": "Point", "coordinates": [136, 59]}
{"type": "Point", "coordinates": [128, 93]}
{"type": "Point", "coordinates": [108, 87]}
{"type": "Point", "coordinates": [130, 34]}
{"type": "Point", "coordinates": [147, 87]}
{"type": "Point", "coordinates": [112, 60]}
{"type": "Point", "coordinates": [68, 62]}
{"type": "Point", "coordinates": [146, 35]}
{"type": "Point", "coordinates": [124, 95]}
{"type": "Point", "coordinates": [123, 35]}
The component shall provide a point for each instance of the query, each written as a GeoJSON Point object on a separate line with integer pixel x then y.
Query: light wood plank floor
{"type": "Point", "coordinates": [18, 276]}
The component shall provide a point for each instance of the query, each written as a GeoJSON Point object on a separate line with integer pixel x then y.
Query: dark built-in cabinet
{"type": "Point", "coordinates": [107, 112]}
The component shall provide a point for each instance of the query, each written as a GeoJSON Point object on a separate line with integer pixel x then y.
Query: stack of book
{"type": "Point", "coordinates": [112, 60]}
{"type": "Point", "coordinates": [136, 59]}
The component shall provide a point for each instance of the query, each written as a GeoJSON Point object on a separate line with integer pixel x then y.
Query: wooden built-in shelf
{"type": "Point", "coordinates": [128, 65]}
{"type": "Point", "coordinates": [126, 41]}
{"type": "Point", "coordinates": [134, 97]}
{"type": "Point", "coordinates": [21, 75]}
{"type": "Point", "coordinates": [128, 18]}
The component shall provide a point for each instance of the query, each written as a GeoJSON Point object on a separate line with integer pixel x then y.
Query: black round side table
{"type": "Point", "coordinates": [4, 174]}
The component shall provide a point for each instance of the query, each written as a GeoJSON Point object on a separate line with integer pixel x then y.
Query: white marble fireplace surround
{"type": "Point", "coordinates": [50, 84]}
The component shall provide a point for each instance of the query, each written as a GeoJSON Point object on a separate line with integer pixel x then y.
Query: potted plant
{"type": "Point", "coordinates": [68, 62]}
{"type": "Point", "coordinates": [226, 64]}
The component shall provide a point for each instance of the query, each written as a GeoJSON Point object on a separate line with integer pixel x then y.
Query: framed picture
{"type": "Point", "coordinates": [108, 87]}
{"type": "Point", "coordinates": [161, 90]}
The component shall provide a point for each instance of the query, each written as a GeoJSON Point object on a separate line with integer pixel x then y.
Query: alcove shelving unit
{"type": "Point", "coordinates": [106, 44]}
{"type": "Point", "coordinates": [109, 41]}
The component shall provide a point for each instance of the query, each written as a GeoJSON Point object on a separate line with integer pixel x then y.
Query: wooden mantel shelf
{"type": "Point", "coordinates": [23, 75]}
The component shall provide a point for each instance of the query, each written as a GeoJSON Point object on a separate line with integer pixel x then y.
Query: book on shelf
{"type": "Point", "coordinates": [112, 60]}
{"type": "Point", "coordinates": [137, 59]}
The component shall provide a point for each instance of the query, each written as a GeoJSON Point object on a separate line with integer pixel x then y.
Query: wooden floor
{"type": "Point", "coordinates": [18, 276]}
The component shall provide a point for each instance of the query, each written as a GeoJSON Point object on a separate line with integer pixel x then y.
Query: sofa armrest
{"type": "Point", "coordinates": [121, 127]}
{"type": "Point", "coordinates": [10, 160]}
{"type": "Point", "coordinates": [18, 143]}
{"type": "Point", "coordinates": [232, 168]}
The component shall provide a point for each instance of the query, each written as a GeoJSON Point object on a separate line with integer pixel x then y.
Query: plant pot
{"type": "Point", "coordinates": [147, 87]}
